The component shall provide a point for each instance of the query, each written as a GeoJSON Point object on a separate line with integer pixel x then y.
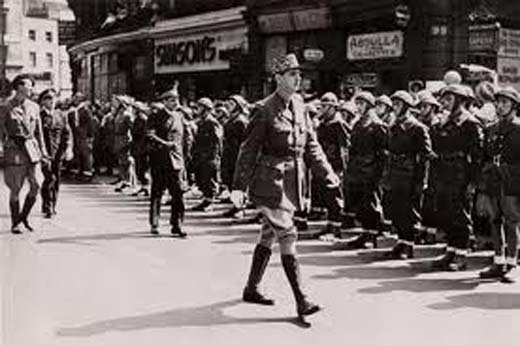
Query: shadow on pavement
{"type": "Point", "coordinates": [422, 285]}
{"type": "Point", "coordinates": [368, 272]}
{"type": "Point", "coordinates": [204, 316]}
{"type": "Point", "coordinates": [480, 300]}
{"type": "Point", "coordinates": [101, 237]}
{"type": "Point", "coordinates": [323, 260]}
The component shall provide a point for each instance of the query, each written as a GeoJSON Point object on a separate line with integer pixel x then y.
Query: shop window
{"type": "Point", "coordinates": [32, 59]}
{"type": "Point", "coordinates": [50, 60]}
{"type": "Point", "coordinates": [32, 35]}
{"type": "Point", "coordinates": [48, 36]}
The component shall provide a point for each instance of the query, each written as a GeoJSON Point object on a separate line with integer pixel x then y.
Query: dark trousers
{"type": "Point", "coordinates": [454, 215]}
{"type": "Point", "coordinates": [83, 157]}
{"type": "Point", "coordinates": [403, 210]}
{"type": "Point", "coordinates": [141, 167]}
{"type": "Point", "coordinates": [364, 202]}
{"type": "Point", "coordinates": [163, 179]}
{"type": "Point", "coordinates": [207, 176]}
{"type": "Point", "coordinates": [51, 186]}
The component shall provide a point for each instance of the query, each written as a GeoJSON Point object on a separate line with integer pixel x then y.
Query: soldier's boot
{"type": "Point", "coordinates": [176, 229]}
{"type": "Point", "coordinates": [458, 264]}
{"type": "Point", "coordinates": [330, 228]}
{"type": "Point", "coordinates": [401, 251]}
{"type": "Point", "coordinates": [204, 206]}
{"type": "Point", "coordinates": [495, 271]}
{"type": "Point", "coordinates": [444, 262]}
{"type": "Point", "coordinates": [261, 256]}
{"type": "Point", "coordinates": [361, 241]}
{"type": "Point", "coordinates": [14, 207]}
{"type": "Point", "coordinates": [292, 270]}
{"type": "Point", "coordinates": [509, 267]}
{"type": "Point", "coordinates": [26, 210]}
{"type": "Point", "coordinates": [232, 212]}
{"type": "Point", "coordinates": [155, 213]}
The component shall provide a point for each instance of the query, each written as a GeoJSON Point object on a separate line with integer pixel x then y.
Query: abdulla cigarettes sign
{"type": "Point", "coordinates": [379, 45]}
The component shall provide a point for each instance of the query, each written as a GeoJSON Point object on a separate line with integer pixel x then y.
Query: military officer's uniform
{"type": "Point", "coordinates": [123, 125]}
{"type": "Point", "coordinates": [280, 140]}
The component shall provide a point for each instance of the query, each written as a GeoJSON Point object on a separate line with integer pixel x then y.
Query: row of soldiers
{"type": "Point", "coordinates": [422, 161]}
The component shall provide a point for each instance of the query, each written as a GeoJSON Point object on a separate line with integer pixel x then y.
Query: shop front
{"type": "Point", "coordinates": [204, 53]}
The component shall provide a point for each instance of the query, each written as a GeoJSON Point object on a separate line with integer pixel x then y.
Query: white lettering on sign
{"type": "Point", "coordinates": [300, 20]}
{"type": "Point", "coordinates": [509, 72]}
{"type": "Point", "coordinates": [509, 43]}
{"type": "Point", "coordinates": [378, 45]}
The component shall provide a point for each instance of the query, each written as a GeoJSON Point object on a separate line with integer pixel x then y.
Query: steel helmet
{"type": "Point", "coordinates": [485, 91]}
{"type": "Point", "coordinates": [238, 99]}
{"type": "Point", "coordinates": [509, 92]}
{"type": "Point", "coordinates": [455, 89]}
{"type": "Point", "coordinates": [428, 98]}
{"type": "Point", "coordinates": [452, 78]}
{"type": "Point", "coordinates": [405, 97]}
{"type": "Point", "coordinates": [206, 103]}
{"type": "Point", "coordinates": [367, 97]}
{"type": "Point", "coordinates": [384, 99]}
{"type": "Point", "coordinates": [329, 98]}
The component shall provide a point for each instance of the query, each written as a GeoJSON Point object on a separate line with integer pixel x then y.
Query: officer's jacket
{"type": "Point", "coordinates": [168, 126]}
{"type": "Point", "coordinates": [501, 168]}
{"type": "Point", "coordinates": [334, 137]}
{"type": "Point", "coordinates": [123, 124]}
{"type": "Point", "coordinates": [234, 132]}
{"type": "Point", "coordinates": [56, 133]}
{"type": "Point", "coordinates": [409, 152]}
{"type": "Point", "coordinates": [458, 145]}
{"type": "Point", "coordinates": [207, 147]}
{"type": "Point", "coordinates": [22, 123]}
{"type": "Point", "coordinates": [279, 141]}
{"type": "Point", "coordinates": [367, 154]}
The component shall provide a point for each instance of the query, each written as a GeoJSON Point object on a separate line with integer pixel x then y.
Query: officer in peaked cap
{"type": "Point", "coordinates": [207, 153]}
{"type": "Point", "coordinates": [409, 150]}
{"type": "Point", "coordinates": [271, 166]}
{"type": "Point", "coordinates": [384, 109]}
{"type": "Point", "coordinates": [499, 190]}
{"type": "Point", "coordinates": [458, 144]}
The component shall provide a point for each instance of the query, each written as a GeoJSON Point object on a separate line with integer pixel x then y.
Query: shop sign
{"type": "Point", "coordinates": [483, 38]}
{"type": "Point", "coordinates": [509, 72]}
{"type": "Point", "coordinates": [380, 45]}
{"type": "Point", "coordinates": [300, 20]}
{"type": "Point", "coordinates": [313, 55]}
{"type": "Point", "coordinates": [202, 52]}
{"type": "Point", "coordinates": [361, 80]}
{"type": "Point", "coordinates": [66, 32]}
{"type": "Point", "coordinates": [509, 43]}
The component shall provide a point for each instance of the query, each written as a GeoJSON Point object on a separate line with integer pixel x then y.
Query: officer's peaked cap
{"type": "Point", "coordinates": [284, 64]}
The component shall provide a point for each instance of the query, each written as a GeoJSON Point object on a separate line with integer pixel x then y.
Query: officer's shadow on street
{"type": "Point", "coordinates": [480, 300]}
{"type": "Point", "coordinates": [203, 316]}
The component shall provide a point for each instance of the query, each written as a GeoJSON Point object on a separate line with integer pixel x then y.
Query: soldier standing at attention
{"type": "Point", "coordinates": [409, 149]}
{"type": "Point", "coordinates": [56, 135]}
{"type": "Point", "coordinates": [234, 131]}
{"type": "Point", "coordinates": [271, 166]}
{"type": "Point", "coordinates": [207, 152]}
{"type": "Point", "coordinates": [367, 158]}
{"type": "Point", "coordinates": [24, 150]}
{"type": "Point", "coordinates": [500, 188]}
{"type": "Point", "coordinates": [458, 144]}
{"type": "Point", "coordinates": [165, 133]}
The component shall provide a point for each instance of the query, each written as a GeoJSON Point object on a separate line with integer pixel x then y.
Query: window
{"type": "Point", "coordinates": [48, 36]}
{"type": "Point", "coordinates": [32, 59]}
{"type": "Point", "coordinates": [32, 35]}
{"type": "Point", "coordinates": [50, 60]}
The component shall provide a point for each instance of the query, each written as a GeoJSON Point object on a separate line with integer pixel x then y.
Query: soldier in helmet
{"type": "Point", "coordinates": [384, 109]}
{"type": "Point", "coordinates": [271, 166]}
{"type": "Point", "coordinates": [499, 196]}
{"type": "Point", "coordinates": [458, 144]}
{"type": "Point", "coordinates": [207, 153]}
{"type": "Point", "coordinates": [367, 158]}
{"type": "Point", "coordinates": [410, 150]}
{"type": "Point", "coordinates": [166, 135]}
{"type": "Point", "coordinates": [234, 133]}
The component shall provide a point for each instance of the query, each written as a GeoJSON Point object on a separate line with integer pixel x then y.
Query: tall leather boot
{"type": "Point", "coordinates": [261, 256]}
{"type": "Point", "coordinates": [155, 213]}
{"type": "Point", "coordinates": [14, 207]}
{"type": "Point", "coordinates": [26, 210]}
{"type": "Point", "coordinates": [292, 271]}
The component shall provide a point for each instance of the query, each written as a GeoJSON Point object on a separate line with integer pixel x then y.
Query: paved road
{"type": "Point", "coordinates": [94, 276]}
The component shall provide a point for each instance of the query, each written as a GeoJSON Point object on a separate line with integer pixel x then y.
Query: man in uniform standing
{"type": "Point", "coordinates": [24, 150]}
{"type": "Point", "coordinates": [83, 134]}
{"type": "Point", "coordinates": [500, 187]}
{"type": "Point", "coordinates": [458, 144]}
{"type": "Point", "coordinates": [271, 166]}
{"type": "Point", "coordinates": [410, 150]}
{"type": "Point", "coordinates": [367, 158]}
{"type": "Point", "coordinates": [56, 135]}
{"type": "Point", "coordinates": [207, 152]}
{"type": "Point", "coordinates": [165, 132]}
{"type": "Point", "coordinates": [234, 132]}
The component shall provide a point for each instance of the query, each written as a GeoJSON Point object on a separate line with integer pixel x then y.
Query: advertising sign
{"type": "Point", "coordinates": [379, 45]}
{"type": "Point", "coordinates": [509, 43]}
{"type": "Point", "coordinates": [509, 72]}
{"type": "Point", "coordinates": [299, 20]}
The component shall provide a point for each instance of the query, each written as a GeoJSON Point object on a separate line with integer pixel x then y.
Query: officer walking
{"type": "Point", "coordinates": [234, 133]}
{"type": "Point", "coordinates": [165, 132]}
{"type": "Point", "coordinates": [458, 144]}
{"type": "Point", "coordinates": [207, 152]}
{"type": "Point", "coordinates": [271, 166]}
{"type": "Point", "coordinates": [409, 149]}
{"type": "Point", "coordinates": [56, 135]}
{"type": "Point", "coordinates": [367, 159]}
{"type": "Point", "coordinates": [500, 186]}
{"type": "Point", "coordinates": [24, 150]}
